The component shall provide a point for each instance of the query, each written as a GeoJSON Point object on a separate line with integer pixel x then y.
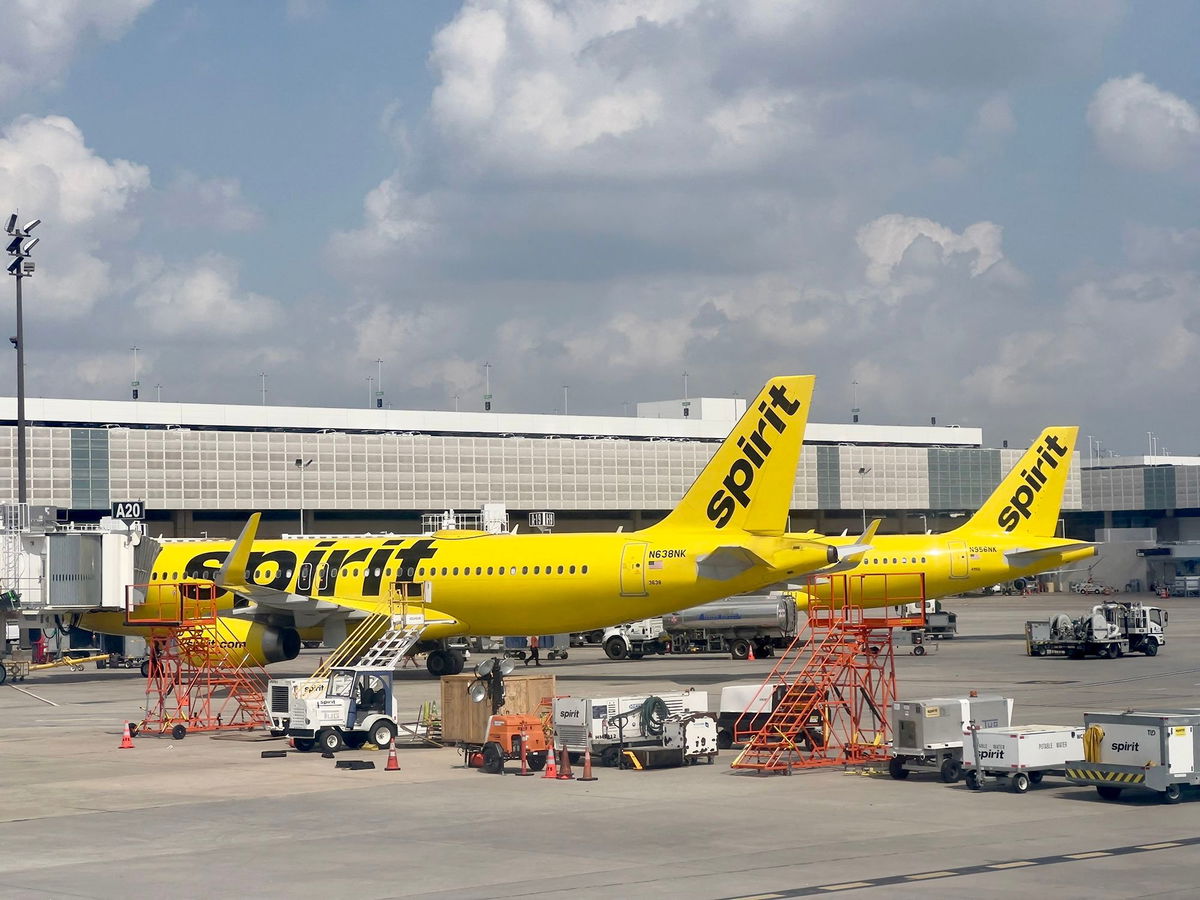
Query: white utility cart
{"type": "Point", "coordinates": [1020, 755]}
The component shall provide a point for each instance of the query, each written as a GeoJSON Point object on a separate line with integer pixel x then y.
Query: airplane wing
{"type": "Point", "coordinates": [1018, 558]}
{"type": "Point", "coordinates": [304, 611]}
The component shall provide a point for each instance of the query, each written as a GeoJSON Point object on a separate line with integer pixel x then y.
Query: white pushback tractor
{"type": "Point", "coordinates": [356, 705]}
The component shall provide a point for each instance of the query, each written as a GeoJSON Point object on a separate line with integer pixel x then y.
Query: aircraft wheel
{"type": "Point", "coordinates": [457, 662]}
{"type": "Point", "coordinates": [438, 663]}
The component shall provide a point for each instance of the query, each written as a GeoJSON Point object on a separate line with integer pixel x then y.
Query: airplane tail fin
{"type": "Point", "coordinates": [1029, 498]}
{"type": "Point", "coordinates": [748, 483]}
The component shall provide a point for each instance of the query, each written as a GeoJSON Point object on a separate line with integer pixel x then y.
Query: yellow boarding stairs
{"type": "Point", "coordinates": [380, 641]}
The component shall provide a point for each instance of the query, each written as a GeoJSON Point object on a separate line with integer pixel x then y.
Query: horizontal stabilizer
{"type": "Point", "coordinates": [725, 563]}
{"type": "Point", "coordinates": [1021, 558]}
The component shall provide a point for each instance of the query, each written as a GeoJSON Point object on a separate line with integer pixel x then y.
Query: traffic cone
{"type": "Point", "coordinates": [551, 770]}
{"type": "Point", "coordinates": [751, 654]}
{"type": "Point", "coordinates": [587, 766]}
{"type": "Point", "coordinates": [564, 769]}
{"type": "Point", "coordinates": [126, 739]}
{"type": "Point", "coordinates": [393, 764]}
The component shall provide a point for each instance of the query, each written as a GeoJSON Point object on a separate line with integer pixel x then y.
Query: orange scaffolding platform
{"type": "Point", "coordinates": [834, 684]}
{"type": "Point", "coordinates": [200, 675]}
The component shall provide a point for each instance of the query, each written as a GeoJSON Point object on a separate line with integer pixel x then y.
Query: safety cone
{"type": "Point", "coordinates": [524, 761]}
{"type": "Point", "coordinates": [564, 769]}
{"type": "Point", "coordinates": [551, 770]}
{"type": "Point", "coordinates": [393, 764]}
{"type": "Point", "coordinates": [587, 766]}
{"type": "Point", "coordinates": [750, 656]}
{"type": "Point", "coordinates": [126, 739]}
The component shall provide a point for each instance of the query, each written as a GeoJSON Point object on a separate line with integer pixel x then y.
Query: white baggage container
{"type": "Point", "coordinates": [1020, 754]}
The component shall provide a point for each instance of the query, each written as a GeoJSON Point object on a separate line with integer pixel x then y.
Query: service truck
{"type": "Point", "coordinates": [1108, 631]}
{"type": "Point", "coordinates": [737, 625]}
{"type": "Point", "coordinates": [1157, 749]}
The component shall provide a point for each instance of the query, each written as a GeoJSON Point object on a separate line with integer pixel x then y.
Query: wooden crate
{"type": "Point", "coordinates": [466, 722]}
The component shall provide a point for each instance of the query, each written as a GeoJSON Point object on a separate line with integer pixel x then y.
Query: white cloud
{"type": "Point", "coordinates": [40, 38]}
{"type": "Point", "coordinates": [200, 299]}
{"type": "Point", "coordinates": [994, 118]}
{"type": "Point", "coordinates": [886, 240]}
{"type": "Point", "coordinates": [1139, 125]}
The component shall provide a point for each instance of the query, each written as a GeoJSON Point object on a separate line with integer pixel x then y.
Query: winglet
{"type": "Point", "coordinates": [861, 545]}
{"type": "Point", "coordinates": [232, 575]}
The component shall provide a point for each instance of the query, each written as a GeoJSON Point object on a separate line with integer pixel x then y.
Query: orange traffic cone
{"type": "Point", "coordinates": [564, 769]}
{"type": "Point", "coordinates": [587, 766]}
{"type": "Point", "coordinates": [551, 771]}
{"type": "Point", "coordinates": [126, 739]}
{"type": "Point", "coordinates": [393, 764]}
{"type": "Point", "coordinates": [750, 656]}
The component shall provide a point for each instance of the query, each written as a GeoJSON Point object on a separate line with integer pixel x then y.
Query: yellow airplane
{"type": "Point", "coordinates": [1010, 537]}
{"type": "Point", "coordinates": [725, 537]}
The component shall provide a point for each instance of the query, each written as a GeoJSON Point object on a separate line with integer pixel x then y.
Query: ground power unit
{"type": "Point", "coordinates": [1154, 749]}
{"type": "Point", "coordinates": [929, 733]}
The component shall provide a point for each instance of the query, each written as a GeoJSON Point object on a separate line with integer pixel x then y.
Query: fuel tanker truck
{"type": "Point", "coordinates": [763, 622]}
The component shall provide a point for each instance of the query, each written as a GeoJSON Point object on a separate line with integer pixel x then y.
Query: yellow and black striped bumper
{"type": "Point", "coordinates": [1105, 775]}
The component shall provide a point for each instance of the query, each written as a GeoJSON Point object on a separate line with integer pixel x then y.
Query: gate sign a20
{"type": "Point", "coordinates": [129, 510]}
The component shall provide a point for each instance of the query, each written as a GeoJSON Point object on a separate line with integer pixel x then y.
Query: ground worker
{"type": "Point", "coordinates": [533, 652]}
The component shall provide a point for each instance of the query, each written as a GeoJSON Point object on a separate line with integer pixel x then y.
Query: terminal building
{"type": "Point", "coordinates": [201, 469]}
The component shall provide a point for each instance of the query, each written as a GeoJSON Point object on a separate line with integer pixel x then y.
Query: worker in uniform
{"type": "Point", "coordinates": [533, 652]}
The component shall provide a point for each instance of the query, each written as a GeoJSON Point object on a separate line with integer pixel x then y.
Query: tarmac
{"type": "Point", "coordinates": [206, 816]}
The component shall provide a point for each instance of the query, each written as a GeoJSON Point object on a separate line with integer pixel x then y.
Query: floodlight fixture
{"type": "Point", "coordinates": [484, 669]}
{"type": "Point", "coordinates": [11, 227]}
{"type": "Point", "coordinates": [507, 666]}
{"type": "Point", "coordinates": [478, 691]}
{"type": "Point", "coordinates": [29, 226]}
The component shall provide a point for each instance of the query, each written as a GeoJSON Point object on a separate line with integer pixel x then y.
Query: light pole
{"type": "Point", "coordinates": [487, 387]}
{"type": "Point", "coordinates": [924, 524]}
{"type": "Point", "coordinates": [21, 267]}
{"type": "Point", "coordinates": [379, 384]}
{"type": "Point", "coordinates": [863, 471]}
{"type": "Point", "coordinates": [301, 465]}
{"type": "Point", "coordinates": [134, 384]}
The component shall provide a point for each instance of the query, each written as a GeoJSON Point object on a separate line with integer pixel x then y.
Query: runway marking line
{"type": "Point", "coordinates": [983, 868]}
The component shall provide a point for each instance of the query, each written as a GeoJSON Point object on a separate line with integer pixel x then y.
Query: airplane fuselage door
{"type": "Point", "coordinates": [633, 570]}
{"type": "Point", "coordinates": [958, 559]}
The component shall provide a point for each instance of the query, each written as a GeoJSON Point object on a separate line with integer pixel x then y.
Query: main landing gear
{"type": "Point", "coordinates": [444, 662]}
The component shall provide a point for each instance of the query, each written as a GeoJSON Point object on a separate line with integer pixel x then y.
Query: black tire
{"type": "Point", "coordinates": [1035, 652]}
{"type": "Point", "coordinates": [1036, 777]}
{"type": "Point", "coordinates": [133, 729]}
{"type": "Point", "coordinates": [740, 649]}
{"type": "Point", "coordinates": [145, 667]}
{"type": "Point", "coordinates": [918, 650]}
{"type": "Point", "coordinates": [610, 756]}
{"type": "Point", "coordinates": [438, 663]}
{"type": "Point", "coordinates": [493, 759]}
{"type": "Point", "coordinates": [616, 648]}
{"type": "Point", "coordinates": [971, 779]}
{"type": "Point", "coordinates": [355, 740]}
{"type": "Point", "coordinates": [951, 770]}
{"type": "Point", "coordinates": [724, 740]}
{"type": "Point", "coordinates": [179, 732]}
{"type": "Point", "coordinates": [330, 740]}
{"type": "Point", "coordinates": [896, 768]}
{"type": "Point", "coordinates": [382, 733]}
{"type": "Point", "coordinates": [1108, 792]}
{"type": "Point", "coordinates": [3, 674]}
{"type": "Point", "coordinates": [1173, 794]}
{"type": "Point", "coordinates": [562, 654]}
{"type": "Point", "coordinates": [1019, 782]}
{"type": "Point", "coordinates": [1150, 647]}
{"type": "Point", "coordinates": [305, 745]}
{"type": "Point", "coordinates": [536, 761]}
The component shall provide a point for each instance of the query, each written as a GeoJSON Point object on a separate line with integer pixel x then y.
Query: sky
{"type": "Point", "coordinates": [976, 211]}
